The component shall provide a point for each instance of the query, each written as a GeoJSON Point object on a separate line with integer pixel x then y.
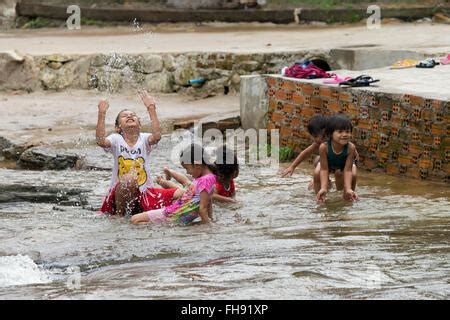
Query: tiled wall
{"type": "Point", "coordinates": [398, 134]}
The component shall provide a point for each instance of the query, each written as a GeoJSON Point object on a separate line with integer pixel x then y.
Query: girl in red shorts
{"type": "Point", "coordinates": [131, 190]}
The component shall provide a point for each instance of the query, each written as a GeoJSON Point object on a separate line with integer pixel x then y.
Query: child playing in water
{"type": "Point", "coordinates": [337, 155]}
{"type": "Point", "coordinates": [316, 128]}
{"type": "Point", "coordinates": [131, 190]}
{"type": "Point", "coordinates": [224, 192]}
{"type": "Point", "coordinates": [197, 199]}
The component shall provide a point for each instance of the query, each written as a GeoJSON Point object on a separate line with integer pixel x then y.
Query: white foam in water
{"type": "Point", "coordinates": [20, 270]}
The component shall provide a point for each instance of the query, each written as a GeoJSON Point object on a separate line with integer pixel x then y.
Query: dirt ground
{"type": "Point", "coordinates": [71, 116]}
{"type": "Point", "coordinates": [244, 37]}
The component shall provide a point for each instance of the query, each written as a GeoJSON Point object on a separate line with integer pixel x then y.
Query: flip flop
{"type": "Point", "coordinates": [407, 63]}
{"type": "Point", "coordinates": [337, 80]}
{"type": "Point", "coordinates": [427, 63]}
{"type": "Point", "coordinates": [360, 81]}
{"type": "Point", "coordinates": [445, 60]}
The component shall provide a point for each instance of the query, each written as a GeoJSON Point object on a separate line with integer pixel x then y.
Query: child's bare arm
{"type": "Point", "coordinates": [323, 173]}
{"type": "Point", "coordinates": [179, 177]}
{"type": "Point", "coordinates": [348, 174]}
{"type": "Point", "coordinates": [301, 157]}
{"type": "Point", "coordinates": [150, 104]}
{"type": "Point", "coordinates": [217, 197]}
{"type": "Point", "coordinates": [100, 137]}
{"type": "Point", "coordinates": [204, 204]}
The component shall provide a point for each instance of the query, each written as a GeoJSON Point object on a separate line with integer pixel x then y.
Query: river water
{"type": "Point", "coordinates": [277, 243]}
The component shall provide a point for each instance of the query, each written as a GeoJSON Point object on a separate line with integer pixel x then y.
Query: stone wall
{"type": "Point", "coordinates": [162, 73]}
{"type": "Point", "coordinates": [398, 134]}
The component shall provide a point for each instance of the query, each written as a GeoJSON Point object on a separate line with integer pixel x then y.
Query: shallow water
{"type": "Point", "coordinates": [276, 244]}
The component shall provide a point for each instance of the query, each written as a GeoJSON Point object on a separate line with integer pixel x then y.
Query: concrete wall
{"type": "Point", "coordinates": [371, 58]}
{"type": "Point", "coordinates": [253, 103]}
{"type": "Point", "coordinates": [400, 134]}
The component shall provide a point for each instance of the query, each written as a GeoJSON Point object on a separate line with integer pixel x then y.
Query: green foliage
{"type": "Point", "coordinates": [91, 22]}
{"type": "Point", "coordinates": [36, 23]}
{"type": "Point", "coordinates": [286, 154]}
{"type": "Point", "coordinates": [356, 18]}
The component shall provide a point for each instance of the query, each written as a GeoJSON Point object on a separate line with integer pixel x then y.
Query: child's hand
{"type": "Point", "coordinates": [321, 195]}
{"type": "Point", "coordinates": [103, 105]}
{"type": "Point", "coordinates": [167, 173]}
{"type": "Point", "coordinates": [287, 172]}
{"type": "Point", "coordinates": [147, 99]}
{"type": "Point", "coordinates": [350, 195]}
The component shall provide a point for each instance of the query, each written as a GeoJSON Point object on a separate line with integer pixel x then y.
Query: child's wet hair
{"type": "Point", "coordinates": [338, 122]}
{"type": "Point", "coordinates": [317, 125]}
{"type": "Point", "coordinates": [226, 165]}
{"type": "Point", "coordinates": [194, 154]}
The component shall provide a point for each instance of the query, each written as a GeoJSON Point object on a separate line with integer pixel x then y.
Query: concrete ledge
{"type": "Point", "coordinates": [32, 9]}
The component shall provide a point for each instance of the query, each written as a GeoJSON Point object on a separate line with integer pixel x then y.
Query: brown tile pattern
{"type": "Point", "coordinates": [397, 134]}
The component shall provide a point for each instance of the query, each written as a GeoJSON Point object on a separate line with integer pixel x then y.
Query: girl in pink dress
{"type": "Point", "coordinates": [196, 200]}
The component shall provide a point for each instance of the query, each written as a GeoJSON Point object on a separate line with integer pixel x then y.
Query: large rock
{"type": "Point", "coordinates": [18, 72]}
{"type": "Point", "coordinates": [99, 60]}
{"type": "Point", "coordinates": [185, 71]}
{"type": "Point", "coordinates": [44, 158]}
{"type": "Point", "coordinates": [81, 72]}
{"type": "Point", "coordinates": [168, 62]}
{"type": "Point", "coordinates": [147, 64]}
{"type": "Point", "coordinates": [159, 82]}
{"type": "Point", "coordinates": [58, 79]}
{"type": "Point", "coordinates": [57, 72]}
{"type": "Point", "coordinates": [12, 148]}
{"type": "Point", "coordinates": [109, 80]}
{"type": "Point", "coordinates": [42, 194]}
{"type": "Point", "coordinates": [116, 60]}
{"type": "Point", "coordinates": [4, 144]}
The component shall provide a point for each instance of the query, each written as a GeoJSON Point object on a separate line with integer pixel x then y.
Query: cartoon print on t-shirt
{"type": "Point", "coordinates": [133, 165]}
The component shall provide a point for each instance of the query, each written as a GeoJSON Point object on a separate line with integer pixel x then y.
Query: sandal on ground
{"type": "Point", "coordinates": [336, 80]}
{"type": "Point", "coordinates": [427, 63]}
{"type": "Point", "coordinates": [360, 81]}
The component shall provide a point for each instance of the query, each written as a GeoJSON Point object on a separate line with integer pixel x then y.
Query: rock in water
{"type": "Point", "coordinates": [47, 159]}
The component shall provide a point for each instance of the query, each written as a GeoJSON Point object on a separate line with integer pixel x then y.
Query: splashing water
{"type": "Point", "coordinates": [277, 243]}
{"type": "Point", "coordinates": [20, 270]}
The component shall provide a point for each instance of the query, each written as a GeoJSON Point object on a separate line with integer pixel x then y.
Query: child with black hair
{"type": "Point", "coordinates": [131, 189]}
{"type": "Point", "coordinates": [197, 198]}
{"type": "Point", "coordinates": [337, 155]}
{"type": "Point", "coordinates": [225, 190]}
{"type": "Point", "coordinates": [316, 128]}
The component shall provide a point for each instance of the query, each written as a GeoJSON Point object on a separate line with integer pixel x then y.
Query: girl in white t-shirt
{"type": "Point", "coordinates": [131, 190]}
